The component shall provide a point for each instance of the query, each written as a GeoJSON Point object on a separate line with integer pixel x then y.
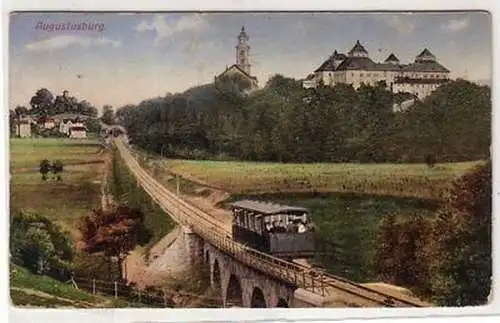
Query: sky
{"type": "Point", "coordinates": [124, 58]}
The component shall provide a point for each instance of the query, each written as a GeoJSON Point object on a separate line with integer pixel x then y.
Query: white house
{"type": "Point", "coordinates": [23, 128]}
{"type": "Point", "coordinates": [78, 131]}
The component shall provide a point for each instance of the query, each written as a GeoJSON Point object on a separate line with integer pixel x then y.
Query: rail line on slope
{"type": "Point", "coordinates": [306, 277]}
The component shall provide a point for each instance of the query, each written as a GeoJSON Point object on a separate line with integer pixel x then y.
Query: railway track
{"type": "Point", "coordinates": [308, 278]}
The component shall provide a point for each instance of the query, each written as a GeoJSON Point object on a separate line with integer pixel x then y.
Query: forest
{"type": "Point", "coordinates": [286, 123]}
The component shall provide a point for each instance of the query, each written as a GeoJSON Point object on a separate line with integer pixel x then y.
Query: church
{"type": "Point", "coordinates": [418, 78]}
{"type": "Point", "coordinates": [242, 67]}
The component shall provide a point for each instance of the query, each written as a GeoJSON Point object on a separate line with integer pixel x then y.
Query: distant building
{"type": "Point", "coordinates": [78, 132]}
{"type": "Point", "coordinates": [242, 66]}
{"type": "Point", "coordinates": [23, 127]}
{"type": "Point", "coordinates": [419, 78]}
{"type": "Point", "coordinates": [47, 122]}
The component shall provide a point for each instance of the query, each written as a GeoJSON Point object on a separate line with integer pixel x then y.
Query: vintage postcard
{"type": "Point", "coordinates": [250, 159]}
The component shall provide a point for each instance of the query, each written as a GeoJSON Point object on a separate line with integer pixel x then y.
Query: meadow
{"type": "Point", "coordinates": [403, 180]}
{"type": "Point", "coordinates": [347, 201]}
{"type": "Point", "coordinates": [63, 201]}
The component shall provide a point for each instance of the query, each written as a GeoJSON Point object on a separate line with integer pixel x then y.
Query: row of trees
{"type": "Point", "coordinates": [287, 123]}
{"type": "Point", "coordinates": [447, 257]}
{"type": "Point", "coordinates": [43, 103]}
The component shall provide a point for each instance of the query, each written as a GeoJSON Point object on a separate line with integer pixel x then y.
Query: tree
{"type": "Point", "coordinates": [107, 115]}
{"type": "Point", "coordinates": [21, 111]}
{"type": "Point", "coordinates": [42, 101]}
{"type": "Point", "coordinates": [57, 169]}
{"type": "Point", "coordinates": [114, 233]}
{"type": "Point", "coordinates": [399, 258]}
{"type": "Point", "coordinates": [40, 245]}
{"type": "Point", "coordinates": [459, 248]}
{"type": "Point", "coordinates": [45, 168]}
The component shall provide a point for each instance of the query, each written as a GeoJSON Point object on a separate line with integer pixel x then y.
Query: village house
{"type": "Point", "coordinates": [78, 132]}
{"type": "Point", "coordinates": [418, 78]}
{"type": "Point", "coordinates": [47, 122]}
{"type": "Point", "coordinates": [23, 127]}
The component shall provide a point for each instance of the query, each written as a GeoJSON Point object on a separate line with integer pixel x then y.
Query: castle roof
{"type": "Point", "coordinates": [392, 58]}
{"type": "Point", "coordinates": [358, 48]}
{"type": "Point", "coordinates": [425, 55]}
{"type": "Point", "coordinates": [329, 63]}
{"type": "Point", "coordinates": [357, 63]}
{"type": "Point", "coordinates": [425, 66]}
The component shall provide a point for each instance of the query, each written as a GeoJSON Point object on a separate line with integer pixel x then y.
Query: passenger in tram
{"type": "Point", "coordinates": [281, 227]}
{"type": "Point", "coordinates": [301, 228]}
{"type": "Point", "coordinates": [268, 226]}
{"type": "Point", "coordinates": [291, 227]}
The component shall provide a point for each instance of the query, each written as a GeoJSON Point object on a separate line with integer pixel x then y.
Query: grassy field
{"type": "Point", "coordinates": [347, 201]}
{"type": "Point", "coordinates": [63, 201]}
{"type": "Point", "coordinates": [415, 180]}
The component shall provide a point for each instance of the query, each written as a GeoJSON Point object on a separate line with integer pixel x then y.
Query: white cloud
{"type": "Point", "coordinates": [65, 41]}
{"type": "Point", "coordinates": [401, 23]}
{"type": "Point", "coordinates": [455, 25]}
{"type": "Point", "coordinates": [165, 28]}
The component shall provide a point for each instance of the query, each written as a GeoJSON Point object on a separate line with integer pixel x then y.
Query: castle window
{"type": "Point", "coordinates": [360, 74]}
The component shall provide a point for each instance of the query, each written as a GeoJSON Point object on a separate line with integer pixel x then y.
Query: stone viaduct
{"type": "Point", "coordinates": [243, 286]}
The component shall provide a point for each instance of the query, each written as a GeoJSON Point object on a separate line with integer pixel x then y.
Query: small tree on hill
{"type": "Point", "coordinates": [114, 233]}
{"type": "Point", "coordinates": [44, 168]}
{"type": "Point", "coordinates": [57, 168]}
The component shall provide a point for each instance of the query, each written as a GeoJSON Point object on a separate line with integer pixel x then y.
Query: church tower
{"type": "Point", "coordinates": [243, 51]}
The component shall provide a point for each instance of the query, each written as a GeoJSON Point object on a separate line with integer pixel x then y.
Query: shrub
{"type": "Point", "coordinates": [40, 245]}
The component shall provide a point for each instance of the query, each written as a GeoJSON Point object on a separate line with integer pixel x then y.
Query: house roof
{"type": "Point", "coordinates": [265, 208]}
{"type": "Point", "coordinates": [78, 128]}
{"type": "Point", "coordinates": [391, 58]}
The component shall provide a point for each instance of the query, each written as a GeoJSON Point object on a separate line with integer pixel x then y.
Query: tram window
{"type": "Point", "coordinates": [241, 219]}
{"type": "Point", "coordinates": [258, 225]}
{"type": "Point", "coordinates": [252, 223]}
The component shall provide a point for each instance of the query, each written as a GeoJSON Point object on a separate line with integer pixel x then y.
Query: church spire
{"type": "Point", "coordinates": [243, 51]}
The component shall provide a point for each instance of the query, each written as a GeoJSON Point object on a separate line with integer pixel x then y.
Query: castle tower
{"type": "Point", "coordinates": [243, 51]}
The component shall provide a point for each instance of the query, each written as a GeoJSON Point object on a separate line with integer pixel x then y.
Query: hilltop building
{"type": "Point", "coordinates": [419, 78]}
{"type": "Point", "coordinates": [242, 67]}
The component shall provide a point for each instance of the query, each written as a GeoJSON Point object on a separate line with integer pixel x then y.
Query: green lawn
{"type": "Point", "coordinates": [411, 180]}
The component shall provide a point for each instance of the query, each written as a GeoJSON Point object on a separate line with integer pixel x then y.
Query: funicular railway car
{"type": "Point", "coordinates": [280, 230]}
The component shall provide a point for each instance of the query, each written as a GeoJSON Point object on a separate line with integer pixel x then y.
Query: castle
{"type": "Point", "coordinates": [418, 78]}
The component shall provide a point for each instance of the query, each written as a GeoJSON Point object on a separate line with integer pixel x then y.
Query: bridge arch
{"type": "Point", "coordinates": [282, 303]}
{"type": "Point", "coordinates": [258, 299]}
{"type": "Point", "coordinates": [216, 276]}
{"type": "Point", "coordinates": [207, 257]}
{"type": "Point", "coordinates": [234, 292]}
